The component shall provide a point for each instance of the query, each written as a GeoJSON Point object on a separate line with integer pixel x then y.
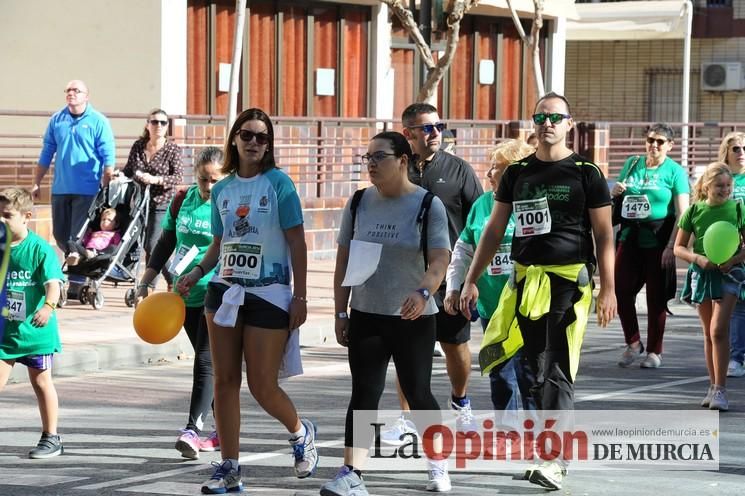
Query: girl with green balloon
{"type": "Point", "coordinates": [716, 222]}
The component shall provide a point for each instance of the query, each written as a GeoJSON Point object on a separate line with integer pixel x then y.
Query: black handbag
{"type": "Point", "coordinates": [618, 201]}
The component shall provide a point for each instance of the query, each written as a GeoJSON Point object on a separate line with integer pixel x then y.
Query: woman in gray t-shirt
{"type": "Point", "coordinates": [392, 312]}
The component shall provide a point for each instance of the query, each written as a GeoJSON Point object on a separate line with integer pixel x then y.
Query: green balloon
{"type": "Point", "coordinates": [721, 240]}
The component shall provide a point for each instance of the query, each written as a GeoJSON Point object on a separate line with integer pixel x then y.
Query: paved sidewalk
{"type": "Point", "coordinates": [104, 339]}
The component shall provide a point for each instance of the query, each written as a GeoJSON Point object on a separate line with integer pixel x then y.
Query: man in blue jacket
{"type": "Point", "coordinates": [82, 144]}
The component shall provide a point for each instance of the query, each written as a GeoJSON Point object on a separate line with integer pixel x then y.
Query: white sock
{"type": "Point", "coordinates": [233, 463]}
{"type": "Point", "coordinates": [295, 437]}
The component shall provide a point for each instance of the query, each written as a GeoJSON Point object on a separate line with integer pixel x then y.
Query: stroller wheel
{"type": "Point", "coordinates": [97, 300]}
{"type": "Point", "coordinates": [84, 294]}
{"type": "Point", "coordinates": [129, 297]}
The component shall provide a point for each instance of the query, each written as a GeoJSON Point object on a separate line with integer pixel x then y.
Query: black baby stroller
{"type": "Point", "coordinates": [84, 280]}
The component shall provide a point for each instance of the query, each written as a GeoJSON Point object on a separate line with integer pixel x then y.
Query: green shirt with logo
{"type": "Point", "coordinates": [33, 263]}
{"type": "Point", "coordinates": [193, 229]}
{"type": "Point", "coordinates": [738, 188]}
{"type": "Point", "coordinates": [660, 186]}
{"type": "Point", "coordinates": [490, 286]}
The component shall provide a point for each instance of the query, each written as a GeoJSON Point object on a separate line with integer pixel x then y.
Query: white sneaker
{"type": "Point", "coordinates": [653, 361]}
{"type": "Point", "coordinates": [438, 351]}
{"type": "Point", "coordinates": [719, 400]}
{"type": "Point", "coordinates": [629, 355]}
{"type": "Point", "coordinates": [707, 399]}
{"type": "Point", "coordinates": [395, 436]}
{"type": "Point", "coordinates": [464, 422]}
{"type": "Point", "coordinates": [439, 480]}
{"type": "Point", "coordinates": [735, 369]}
{"type": "Point", "coordinates": [549, 475]}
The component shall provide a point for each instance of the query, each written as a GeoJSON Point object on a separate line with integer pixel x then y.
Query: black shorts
{"type": "Point", "coordinates": [255, 311]}
{"type": "Point", "coordinates": [451, 329]}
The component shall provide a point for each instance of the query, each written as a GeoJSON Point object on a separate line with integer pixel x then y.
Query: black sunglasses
{"type": "Point", "coordinates": [429, 128]}
{"type": "Point", "coordinates": [553, 118]}
{"type": "Point", "coordinates": [155, 122]}
{"type": "Point", "coordinates": [374, 158]}
{"type": "Point", "coordinates": [659, 141]}
{"type": "Point", "coordinates": [738, 149]}
{"type": "Point", "coordinates": [247, 136]}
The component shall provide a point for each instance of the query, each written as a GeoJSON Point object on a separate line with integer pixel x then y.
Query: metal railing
{"type": "Point", "coordinates": [322, 155]}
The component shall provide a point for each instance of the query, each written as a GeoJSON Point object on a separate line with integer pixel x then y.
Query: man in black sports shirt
{"type": "Point", "coordinates": [561, 204]}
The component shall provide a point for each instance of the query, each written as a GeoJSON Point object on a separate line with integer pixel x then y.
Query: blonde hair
{"type": "Point", "coordinates": [113, 211]}
{"type": "Point", "coordinates": [727, 141]}
{"type": "Point", "coordinates": [508, 151]}
{"type": "Point", "coordinates": [18, 198]}
{"type": "Point", "coordinates": [713, 170]}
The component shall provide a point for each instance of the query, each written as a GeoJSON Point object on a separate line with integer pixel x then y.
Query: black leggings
{"type": "Point", "coordinates": [373, 340]}
{"type": "Point", "coordinates": [546, 349]}
{"type": "Point", "coordinates": [202, 385]}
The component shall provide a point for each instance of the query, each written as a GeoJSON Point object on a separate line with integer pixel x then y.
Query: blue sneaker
{"type": "Point", "coordinates": [304, 451]}
{"type": "Point", "coordinates": [226, 479]}
{"type": "Point", "coordinates": [345, 483]}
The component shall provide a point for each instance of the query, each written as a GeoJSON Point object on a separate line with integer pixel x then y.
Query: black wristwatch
{"type": "Point", "coordinates": [424, 292]}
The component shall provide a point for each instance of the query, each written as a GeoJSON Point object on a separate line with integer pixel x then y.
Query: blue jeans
{"type": "Point", "coordinates": [69, 213]}
{"type": "Point", "coordinates": [510, 383]}
{"type": "Point", "coordinates": [737, 333]}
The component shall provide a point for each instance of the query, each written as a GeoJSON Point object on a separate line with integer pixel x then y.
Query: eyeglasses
{"type": "Point", "coordinates": [737, 149]}
{"type": "Point", "coordinates": [659, 141]}
{"type": "Point", "coordinates": [375, 157]}
{"type": "Point", "coordinates": [247, 136]}
{"type": "Point", "coordinates": [77, 91]}
{"type": "Point", "coordinates": [554, 118]}
{"type": "Point", "coordinates": [429, 128]}
{"type": "Point", "coordinates": [155, 122]}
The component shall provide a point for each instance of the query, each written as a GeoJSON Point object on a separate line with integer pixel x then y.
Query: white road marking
{"type": "Point", "coordinates": [640, 389]}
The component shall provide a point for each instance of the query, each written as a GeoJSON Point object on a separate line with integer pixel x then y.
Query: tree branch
{"type": "Point", "coordinates": [518, 24]}
{"type": "Point", "coordinates": [410, 25]}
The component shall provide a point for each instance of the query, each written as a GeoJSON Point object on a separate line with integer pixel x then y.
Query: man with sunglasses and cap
{"type": "Point", "coordinates": [562, 213]}
{"type": "Point", "coordinates": [81, 141]}
{"type": "Point", "coordinates": [454, 182]}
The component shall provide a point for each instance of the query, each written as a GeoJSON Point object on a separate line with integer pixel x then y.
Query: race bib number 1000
{"type": "Point", "coordinates": [242, 260]}
{"type": "Point", "coordinates": [532, 217]}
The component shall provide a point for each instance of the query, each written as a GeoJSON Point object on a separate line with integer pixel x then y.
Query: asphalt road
{"type": "Point", "coordinates": [119, 427]}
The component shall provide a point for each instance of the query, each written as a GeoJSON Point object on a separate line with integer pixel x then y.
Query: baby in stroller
{"type": "Point", "coordinates": [94, 243]}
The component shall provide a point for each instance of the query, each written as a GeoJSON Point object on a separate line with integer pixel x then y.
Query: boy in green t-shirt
{"type": "Point", "coordinates": [31, 337]}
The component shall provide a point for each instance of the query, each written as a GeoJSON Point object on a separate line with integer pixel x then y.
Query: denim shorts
{"type": "Point", "coordinates": [255, 311]}
{"type": "Point", "coordinates": [39, 362]}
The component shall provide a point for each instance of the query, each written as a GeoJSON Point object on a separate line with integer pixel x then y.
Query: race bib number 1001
{"type": "Point", "coordinates": [532, 217]}
{"type": "Point", "coordinates": [242, 260]}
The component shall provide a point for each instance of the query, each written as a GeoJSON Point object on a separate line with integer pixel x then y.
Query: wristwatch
{"type": "Point", "coordinates": [342, 315]}
{"type": "Point", "coordinates": [424, 292]}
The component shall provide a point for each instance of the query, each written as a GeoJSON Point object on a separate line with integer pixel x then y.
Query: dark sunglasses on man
{"type": "Point", "coordinates": [429, 128]}
{"type": "Point", "coordinates": [659, 141]}
{"type": "Point", "coordinates": [553, 118]}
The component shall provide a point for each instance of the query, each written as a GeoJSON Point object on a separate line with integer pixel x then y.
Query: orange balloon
{"type": "Point", "coordinates": [159, 317]}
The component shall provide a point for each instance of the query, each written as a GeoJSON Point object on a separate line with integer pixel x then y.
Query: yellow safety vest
{"type": "Point", "coordinates": [502, 338]}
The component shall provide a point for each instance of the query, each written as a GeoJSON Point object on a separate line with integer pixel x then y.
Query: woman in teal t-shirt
{"type": "Point", "coordinates": [654, 191]}
{"type": "Point", "coordinates": [732, 153]}
{"type": "Point", "coordinates": [509, 386]}
{"type": "Point", "coordinates": [186, 235]}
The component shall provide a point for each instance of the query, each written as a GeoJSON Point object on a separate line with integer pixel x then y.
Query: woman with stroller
{"type": "Point", "coordinates": [186, 235]}
{"type": "Point", "coordinates": [252, 303]}
{"type": "Point", "coordinates": [156, 162]}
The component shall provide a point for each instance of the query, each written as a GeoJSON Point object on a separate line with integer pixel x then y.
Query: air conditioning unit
{"type": "Point", "coordinates": [722, 76]}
